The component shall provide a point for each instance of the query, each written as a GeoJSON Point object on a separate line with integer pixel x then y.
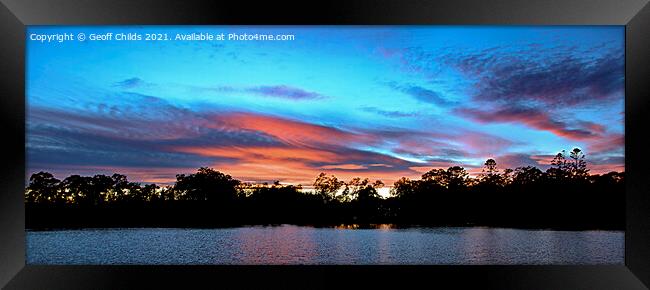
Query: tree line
{"type": "Point", "coordinates": [564, 196]}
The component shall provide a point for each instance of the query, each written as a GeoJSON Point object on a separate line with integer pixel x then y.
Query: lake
{"type": "Point", "coordinates": [289, 244]}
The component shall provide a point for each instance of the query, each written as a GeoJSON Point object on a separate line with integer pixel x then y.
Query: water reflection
{"type": "Point", "coordinates": [271, 245]}
{"type": "Point", "coordinates": [473, 241]}
{"type": "Point", "coordinates": [346, 244]}
{"type": "Point", "coordinates": [366, 226]}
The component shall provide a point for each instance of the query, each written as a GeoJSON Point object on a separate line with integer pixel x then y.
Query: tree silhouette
{"type": "Point", "coordinates": [120, 188]}
{"type": "Point", "coordinates": [578, 166]}
{"type": "Point", "coordinates": [438, 177]}
{"type": "Point", "coordinates": [404, 187]}
{"type": "Point", "coordinates": [361, 189]}
{"type": "Point", "coordinates": [206, 184]}
{"type": "Point", "coordinates": [168, 194]}
{"type": "Point", "coordinates": [457, 177]}
{"type": "Point", "coordinates": [490, 174]}
{"type": "Point", "coordinates": [527, 175]}
{"type": "Point", "coordinates": [327, 186]}
{"type": "Point", "coordinates": [77, 187]}
{"type": "Point", "coordinates": [148, 193]}
{"type": "Point", "coordinates": [100, 189]}
{"type": "Point", "coordinates": [43, 187]}
{"type": "Point", "coordinates": [490, 167]}
{"type": "Point", "coordinates": [559, 167]}
{"type": "Point", "coordinates": [565, 196]}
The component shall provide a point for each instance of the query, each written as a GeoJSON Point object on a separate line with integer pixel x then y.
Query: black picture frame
{"type": "Point", "coordinates": [16, 14]}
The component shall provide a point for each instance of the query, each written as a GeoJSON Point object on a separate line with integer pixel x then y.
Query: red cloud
{"type": "Point", "coordinates": [535, 119]}
{"type": "Point", "coordinates": [289, 131]}
{"type": "Point", "coordinates": [252, 154]}
{"type": "Point", "coordinates": [304, 151]}
{"type": "Point", "coordinates": [606, 168]}
{"type": "Point", "coordinates": [607, 143]}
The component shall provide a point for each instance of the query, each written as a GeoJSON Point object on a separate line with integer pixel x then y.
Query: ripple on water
{"type": "Point", "coordinates": [307, 245]}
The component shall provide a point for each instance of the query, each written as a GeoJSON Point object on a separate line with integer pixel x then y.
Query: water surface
{"type": "Point", "coordinates": [307, 245]}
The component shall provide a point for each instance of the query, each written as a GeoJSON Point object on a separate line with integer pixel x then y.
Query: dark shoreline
{"type": "Point", "coordinates": [361, 227]}
{"type": "Point", "coordinates": [563, 198]}
{"type": "Point", "coordinates": [202, 216]}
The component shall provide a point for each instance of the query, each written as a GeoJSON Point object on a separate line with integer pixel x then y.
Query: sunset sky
{"type": "Point", "coordinates": [379, 102]}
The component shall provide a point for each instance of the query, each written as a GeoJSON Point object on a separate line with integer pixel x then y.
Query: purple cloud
{"type": "Point", "coordinates": [421, 94]}
{"type": "Point", "coordinates": [276, 91]}
{"type": "Point", "coordinates": [534, 118]}
{"type": "Point", "coordinates": [285, 92]}
{"type": "Point", "coordinates": [129, 83]}
{"type": "Point", "coordinates": [390, 114]}
{"type": "Point", "coordinates": [140, 134]}
{"type": "Point", "coordinates": [549, 76]}
{"type": "Point", "coordinates": [515, 160]}
{"type": "Point", "coordinates": [552, 77]}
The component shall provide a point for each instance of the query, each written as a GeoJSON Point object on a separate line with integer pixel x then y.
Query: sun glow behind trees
{"type": "Point", "coordinates": [564, 196]}
{"type": "Point", "coordinates": [208, 184]}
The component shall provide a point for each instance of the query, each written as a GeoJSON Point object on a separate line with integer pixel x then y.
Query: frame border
{"type": "Point", "coordinates": [15, 15]}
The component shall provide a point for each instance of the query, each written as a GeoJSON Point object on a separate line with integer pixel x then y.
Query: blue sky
{"type": "Point", "coordinates": [371, 101]}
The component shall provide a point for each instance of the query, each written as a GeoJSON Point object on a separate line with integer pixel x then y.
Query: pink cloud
{"type": "Point", "coordinates": [533, 118]}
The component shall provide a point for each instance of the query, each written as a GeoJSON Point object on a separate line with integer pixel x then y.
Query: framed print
{"type": "Point", "coordinates": [494, 143]}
